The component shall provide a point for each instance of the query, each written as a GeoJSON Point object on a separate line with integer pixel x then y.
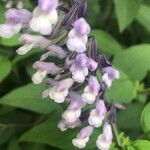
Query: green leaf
{"type": "Point", "coordinates": [145, 118]}
{"type": "Point", "coordinates": [126, 11]}
{"type": "Point", "coordinates": [13, 41]}
{"type": "Point", "coordinates": [13, 145]}
{"type": "Point", "coordinates": [92, 11]}
{"type": "Point", "coordinates": [122, 90]}
{"type": "Point", "coordinates": [134, 61]}
{"type": "Point", "coordinates": [5, 67]}
{"type": "Point", "coordinates": [29, 97]}
{"type": "Point", "coordinates": [48, 133]}
{"type": "Point", "coordinates": [141, 145]}
{"type": "Point", "coordinates": [124, 117]}
{"type": "Point", "coordinates": [143, 16]}
{"type": "Point", "coordinates": [106, 42]}
{"type": "Point", "coordinates": [133, 112]}
{"type": "Point", "coordinates": [2, 19]}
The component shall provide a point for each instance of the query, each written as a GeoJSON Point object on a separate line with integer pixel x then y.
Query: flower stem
{"type": "Point", "coordinates": [115, 131]}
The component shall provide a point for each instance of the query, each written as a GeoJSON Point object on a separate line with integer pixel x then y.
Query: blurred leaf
{"type": "Point", "coordinates": [29, 97]}
{"type": "Point", "coordinates": [5, 67]}
{"type": "Point", "coordinates": [126, 11]}
{"type": "Point", "coordinates": [2, 19]}
{"type": "Point", "coordinates": [130, 148]}
{"type": "Point", "coordinates": [145, 118]}
{"type": "Point", "coordinates": [143, 16]}
{"type": "Point", "coordinates": [134, 61]}
{"type": "Point", "coordinates": [106, 42]}
{"type": "Point", "coordinates": [92, 11]}
{"type": "Point", "coordinates": [122, 90]}
{"type": "Point", "coordinates": [5, 134]}
{"type": "Point", "coordinates": [13, 145]}
{"type": "Point", "coordinates": [133, 112]}
{"type": "Point", "coordinates": [141, 145]}
{"type": "Point", "coordinates": [48, 133]}
{"type": "Point", "coordinates": [14, 41]}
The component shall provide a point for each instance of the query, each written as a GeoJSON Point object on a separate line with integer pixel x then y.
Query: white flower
{"type": "Point", "coordinates": [83, 137]}
{"type": "Point", "coordinates": [91, 90]}
{"type": "Point", "coordinates": [80, 143]}
{"type": "Point", "coordinates": [38, 77]}
{"type": "Point", "coordinates": [78, 36]}
{"type": "Point", "coordinates": [43, 21]}
{"type": "Point", "coordinates": [59, 92]}
{"type": "Point", "coordinates": [104, 140]}
{"type": "Point", "coordinates": [88, 96]}
{"type": "Point", "coordinates": [94, 119]}
{"type": "Point", "coordinates": [71, 115]}
{"type": "Point", "coordinates": [24, 49]}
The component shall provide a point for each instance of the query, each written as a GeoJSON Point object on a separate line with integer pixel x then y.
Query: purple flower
{"type": "Point", "coordinates": [44, 68]}
{"type": "Point", "coordinates": [91, 90]}
{"type": "Point", "coordinates": [44, 17]}
{"type": "Point", "coordinates": [15, 20]}
{"type": "Point", "coordinates": [79, 68]}
{"type": "Point", "coordinates": [55, 51]}
{"type": "Point", "coordinates": [83, 137]}
{"type": "Point", "coordinates": [32, 41]}
{"type": "Point", "coordinates": [104, 140]}
{"type": "Point", "coordinates": [97, 115]}
{"type": "Point", "coordinates": [47, 5]}
{"type": "Point", "coordinates": [22, 16]}
{"type": "Point", "coordinates": [109, 74]}
{"type": "Point", "coordinates": [78, 36]}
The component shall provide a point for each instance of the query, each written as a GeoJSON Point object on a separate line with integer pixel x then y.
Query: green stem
{"type": "Point", "coordinates": [145, 91]}
{"type": "Point", "coordinates": [115, 131]}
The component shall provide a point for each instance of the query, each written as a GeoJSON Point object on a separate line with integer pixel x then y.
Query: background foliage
{"type": "Point", "coordinates": [122, 29]}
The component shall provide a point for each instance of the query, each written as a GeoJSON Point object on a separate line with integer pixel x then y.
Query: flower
{"type": "Point", "coordinates": [15, 20]}
{"type": "Point", "coordinates": [45, 16]}
{"type": "Point", "coordinates": [72, 79]}
{"type": "Point", "coordinates": [79, 68]}
{"type": "Point", "coordinates": [104, 140]}
{"type": "Point", "coordinates": [59, 92]}
{"type": "Point", "coordinates": [83, 137]}
{"type": "Point", "coordinates": [78, 36]}
{"type": "Point", "coordinates": [91, 90]}
{"type": "Point", "coordinates": [109, 74]}
{"type": "Point", "coordinates": [54, 50]}
{"type": "Point", "coordinates": [73, 111]}
{"type": "Point", "coordinates": [32, 41]}
{"type": "Point", "coordinates": [44, 68]}
{"type": "Point", "coordinates": [63, 125]}
{"type": "Point", "coordinates": [97, 115]}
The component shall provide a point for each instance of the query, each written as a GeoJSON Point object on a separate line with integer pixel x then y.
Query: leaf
{"type": "Point", "coordinates": [5, 67]}
{"type": "Point", "coordinates": [92, 11]}
{"type": "Point", "coordinates": [141, 145]}
{"type": "Point", "coordinates": [134, 61]}
{"type": "Point", "coordinates": [143, 16]}
{"type": "Point", "coordinates": [29, 97]}
{"type": "Point", "coordinates": [13, 41]}
{"type": "Point", "coordinates": [122, 90]}
{"type": "Point", "coordinates": [48, 133]}
{"type": "Point", "coordinates": [2, 19]}
{"type": "Point", "coordinates": [126, 11]}
{"type": "Point", "coordinates": [13, 145]}
{"type": "Point", "coordinates": [145, 118]}
{"type": "Point", "coordinates": [106, 42]}
{"type": "Point", "coordinates": [132, 112]}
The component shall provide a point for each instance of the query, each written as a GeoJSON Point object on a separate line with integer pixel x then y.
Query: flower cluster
{"type": "Point", "coordinates": [74, 80]}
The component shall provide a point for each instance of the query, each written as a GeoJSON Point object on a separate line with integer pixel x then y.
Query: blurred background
{"type": "Point", "coordinates": [122, 30]}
